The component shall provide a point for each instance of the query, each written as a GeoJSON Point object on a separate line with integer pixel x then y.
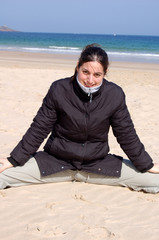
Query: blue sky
{"type": "Point", "coordinates": [138, 17]}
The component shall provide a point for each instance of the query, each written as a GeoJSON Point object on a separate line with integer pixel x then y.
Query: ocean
{"type": "Point", "coordinates": [119, 47]}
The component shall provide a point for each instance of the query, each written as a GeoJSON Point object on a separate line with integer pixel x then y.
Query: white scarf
{"type": "Point", "coordinates": [89, 90]}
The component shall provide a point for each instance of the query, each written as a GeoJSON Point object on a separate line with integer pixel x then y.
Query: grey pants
{"type": "Point", "coordinates": [30, 174]}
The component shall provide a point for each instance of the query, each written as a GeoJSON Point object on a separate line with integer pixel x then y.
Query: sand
{"type": "Point", "coordinates": [75, 211]}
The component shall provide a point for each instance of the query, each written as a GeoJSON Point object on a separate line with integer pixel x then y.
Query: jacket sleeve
{"type": "Point", "coordinates": [125, 133]}
{"type": "Point", "coordinates": [41, 126]}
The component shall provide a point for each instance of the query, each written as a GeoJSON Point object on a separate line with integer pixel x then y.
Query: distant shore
{"type": "Point", "coordinates": [6, 29]}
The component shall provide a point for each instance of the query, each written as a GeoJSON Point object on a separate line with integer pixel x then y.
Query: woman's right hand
{"type": "Point", "coordinates": [4, 164]}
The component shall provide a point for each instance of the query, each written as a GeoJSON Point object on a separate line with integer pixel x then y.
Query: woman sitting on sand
{"type": "Point", "coordinates": [77, 112]}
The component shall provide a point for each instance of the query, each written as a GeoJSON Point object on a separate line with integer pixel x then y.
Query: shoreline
{"type": "Point", "coordinates": [47, 60]}
{"type": "Point", "coordinates": [34, 60]}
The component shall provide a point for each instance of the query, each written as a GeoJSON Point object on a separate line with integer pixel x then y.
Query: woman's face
{"type": "Point", "coordinates": [90, 74]}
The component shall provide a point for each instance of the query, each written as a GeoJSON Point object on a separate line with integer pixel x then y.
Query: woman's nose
{"type": "Point", "coordinates": [90, 78]}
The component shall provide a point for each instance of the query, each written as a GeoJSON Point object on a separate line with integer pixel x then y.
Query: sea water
{"type": "Point", "coordinates": [119, 47]}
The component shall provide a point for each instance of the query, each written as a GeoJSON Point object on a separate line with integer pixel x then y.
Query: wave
{"type": "Point", "coordinates": [50, 49]}
{"type": "Point", "coordinates": [134, 57]}
{"type": "Point", "coordinates": [136, 54]}
{"type": "Point", "coordinates": [113, 55]}
{"type": "Point", "coordinates": [64, 48]}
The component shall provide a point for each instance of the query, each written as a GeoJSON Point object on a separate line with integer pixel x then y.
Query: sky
{"type": "Point", "coordinates": [132, 17]}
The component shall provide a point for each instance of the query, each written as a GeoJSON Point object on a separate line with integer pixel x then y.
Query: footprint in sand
{"type": "Point", "coordinates": [3, 194]}
{"type": "Point", "coordinates": [45, 229]}
{"type": "Point", "coordinates": [79, 197]}
{"type": "Point", "coordinates": [101, 233]}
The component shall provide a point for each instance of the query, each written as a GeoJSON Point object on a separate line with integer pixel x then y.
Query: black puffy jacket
{"type": "Point", "coordinates": [79, 130]}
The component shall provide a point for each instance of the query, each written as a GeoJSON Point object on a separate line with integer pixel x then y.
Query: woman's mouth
{"type": "Point", "coordinates": [87, 85]}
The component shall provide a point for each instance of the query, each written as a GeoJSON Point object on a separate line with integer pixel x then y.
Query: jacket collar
{"type": "Point", "coordinates": [83, 95]}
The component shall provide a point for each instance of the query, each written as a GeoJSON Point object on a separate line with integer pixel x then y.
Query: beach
{"type": "Point", "coordinates": [73, 210]}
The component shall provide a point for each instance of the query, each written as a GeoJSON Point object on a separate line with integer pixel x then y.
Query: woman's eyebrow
{"type": "Point", "coordinates": [93, 73]}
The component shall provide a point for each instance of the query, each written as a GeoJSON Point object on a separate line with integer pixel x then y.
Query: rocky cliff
{"type": "Point", "coordinates": [6, 29]}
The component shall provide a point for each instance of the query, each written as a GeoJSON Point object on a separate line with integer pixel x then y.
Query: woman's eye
{"type": "Point", "coordinates": [97, 75]}
{"type": "Point", "coordinates": [85, 72]}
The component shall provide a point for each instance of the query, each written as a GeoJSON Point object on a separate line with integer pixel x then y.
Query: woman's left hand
{"type": "Point", "coordinates": [4, 164]}
{"type": "Point", "coordinates": [154, 169]}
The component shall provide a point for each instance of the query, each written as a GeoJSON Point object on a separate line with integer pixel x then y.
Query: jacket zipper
{"type": "Point", "coordinates": [90, 96]}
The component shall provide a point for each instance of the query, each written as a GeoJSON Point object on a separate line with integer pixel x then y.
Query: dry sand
{"type": "Point", "coordinates": [75, 211]}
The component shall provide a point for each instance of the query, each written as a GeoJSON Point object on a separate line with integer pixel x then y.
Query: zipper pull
{"type": "Point", "coordinates": [90, 95]}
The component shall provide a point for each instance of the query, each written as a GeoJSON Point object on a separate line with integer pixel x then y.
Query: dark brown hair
{"type": "Point", "coordinates": [92, 53]}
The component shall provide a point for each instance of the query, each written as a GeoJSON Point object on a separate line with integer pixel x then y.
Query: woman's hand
{"type": "Point", "coordinates": [5, 164]}
{"type": "Point", "coordinates": [154, 169]}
